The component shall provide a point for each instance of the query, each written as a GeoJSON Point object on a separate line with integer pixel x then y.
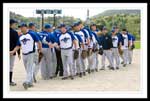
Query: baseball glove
{"type": "Point", "coordinates": [95, 48]}
{"type": "Point", "coordinates": [132, 47]}
{"type": "Point", "coordinates": [89, 52]}
{"type": "Point", "coordinates": [120, 51]}
{"type": "Point", "coordinates": [76, 54]}
{"type": "Point", "coordinates": [84, 54]}
{"type": "Point", "coordinates": [40, 57]}
{"type": "Point", "coordinates": [101, 51]}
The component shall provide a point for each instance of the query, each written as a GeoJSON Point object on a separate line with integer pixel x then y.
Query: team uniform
{"type": "Point", "coordinates": [130, 51]}
{"type": "Point", "coordinates": [83, 37]}
{"type": "Point", "coordinates": [26, 41]}
{"type": "Point", "coordinates": [77, 63]}
{"type": "Point", "coordinates": [125, 45]}
{"type": "Point", "coordinates": [36, 54]}
{"type": "Point", "coordinates": [47, 69]}
{"type": "Point", "coordinates": [66, 41]}
{"type": "Point", "coordinates": [115, 52]}
{"type": "Point", "coordinates": [96, 45]}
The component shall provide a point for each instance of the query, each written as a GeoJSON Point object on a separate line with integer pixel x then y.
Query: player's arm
{"type": "Point", "coordinates": [14, 50]}
{"type": "Point", "coordinates": [74, 40]}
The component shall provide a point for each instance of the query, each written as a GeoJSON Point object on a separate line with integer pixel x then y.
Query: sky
{"type": "Point", "coordinates": [75, 12]}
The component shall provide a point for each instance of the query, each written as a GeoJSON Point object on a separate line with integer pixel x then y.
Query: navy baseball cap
{"type": "Point", "coordinates": [23, 24]}
{"type": "Point", "coordinates": [79, 22]}
{"type": "Point", "coordinates": [104, 28]}
{"type": "Point", "coordinates": [75, 24]}
{"type": "Point", "coordinates": [93, 24]}
{"type": "Point", "coordinates": [48, 26]}
{"type": "Point", "coordinates": [115, 27]}
{"type": "Point", "coordinates": [61, 25]}
{"type": "Point", "coordinates": [31, 24]}
{"type": "Point", "coordinates": [112, 30]}
{"type": "Point", "coordinates": [12, 21]}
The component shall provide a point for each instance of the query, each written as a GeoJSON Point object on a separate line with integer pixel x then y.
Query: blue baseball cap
{"type": "Point", "coordinates": [75, 24]}
{"type": "Point", "coordinates": [115, 27]}
{"type": "Point", "coordinates": [23, 24]}
{"type": "Point", "coordinates": [31, 24]}
{"type": "Point", "coordinates": [104, 28]}
{"type": "Point", "coordinates": [46, 26]}
{"type": "Point", "coordinates": [112, 30]}
{"type": "Point", "coordinates": [12, 21]}
{"type": "Point", "coordinates": [93, 24]}
{"type": "Point", "coordinates": [61, 25]}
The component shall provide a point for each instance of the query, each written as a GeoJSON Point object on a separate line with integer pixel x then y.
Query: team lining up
{"type": "Point", "coordinates": [65, 50]}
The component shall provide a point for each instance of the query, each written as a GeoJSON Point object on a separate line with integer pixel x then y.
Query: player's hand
{"type": "Point", "coordinates": [12, 53]}
{"type": "Point", "coordinates": [19, 56]}
{"type": "Point", "coordinates": [51, 45]}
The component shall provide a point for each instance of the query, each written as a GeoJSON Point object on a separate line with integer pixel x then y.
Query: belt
{"type": "Point", "coordinates": [66, 48]}
{"type": "Point", "coordinates": [28, 53]}
{"type": "Point", "coordinates": [115, 47]}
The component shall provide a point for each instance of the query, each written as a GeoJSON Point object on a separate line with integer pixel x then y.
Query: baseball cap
{"type": "Point", "coordinates": [93, 24]}
{"type": "Point", "coordinates": [112, 30]}
{"type": "Point", "coordinates": [115, 27]}
{"type": "Point", "coordinates": [13, 21]}
{"type": "Point", "coordinates": [75, 24]}
{"type": "Point", "coordinates": [104, 28]}
{"type": "Point", "coordinates": [61, 25]}
{"type": "Point", "coordinates": [48, 26]}
{"type": "Point", "coordinates": [23, 24]}
{"type": "Point", "coordinates": [31, 24]}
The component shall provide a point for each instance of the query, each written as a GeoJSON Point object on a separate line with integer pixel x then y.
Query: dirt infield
{"type": "Point", "coordinates": [125, 79]}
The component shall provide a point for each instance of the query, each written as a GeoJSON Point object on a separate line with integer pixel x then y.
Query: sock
{"type": "Point", "coordinates": [10, 77]}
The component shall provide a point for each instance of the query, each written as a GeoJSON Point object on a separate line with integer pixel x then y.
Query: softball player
{"type": "Point", "coordinates": [130, 53]}
{"type": "Point", "coordinates": [77, 63]}
{"type": "Point", "coordinates": [26, 41]}
{"type": "Point", "coordinates": [125, 44]}
{"type": "Point", "coordinates": [84, 37]}
{"type": "Point", "coordinates": [48, 40]}
{"type": "Point", "coordinates": [32, 29]}
{"type": "Point", "coordinates": [95, 46]}
{"type": "Point", "coordinates": [66, 40]}
{"type": "Point", "coordinates": [13, 41]}
{"type": "Point", "coordinates": [115, 53]}
{"type": "Point", "coordinates": [106, 42]}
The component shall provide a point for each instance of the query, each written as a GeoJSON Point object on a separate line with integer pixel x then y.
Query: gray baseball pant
{"type": "Point", "coordinates": [46, 65]}
{"type": "Point", "coordinates": [12, 60]}
{"type": "Point", "coordinates": [125, 56]}
{"type": "Point", "coordinates": [130, 55]}
{"type": "Point", "coordinates": [67, 60]}
{"type": "Point", "coordinates": [77, 64]}
{"type": "Point", "coordinates": [115, 56]}
{"type": "Point", "coordinates": [108, 54]}
{"type": "Point", "coordinates": [29, 65]}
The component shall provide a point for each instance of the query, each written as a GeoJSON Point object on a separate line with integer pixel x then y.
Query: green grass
{"type": "Point", "coordinates": [137, 45]}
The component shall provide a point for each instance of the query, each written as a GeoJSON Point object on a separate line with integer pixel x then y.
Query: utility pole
{"type": "Point", "coordinates": [42, 19]}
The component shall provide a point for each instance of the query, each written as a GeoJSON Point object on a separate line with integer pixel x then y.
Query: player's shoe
{"type": "Point", "coordinates": [84, 73]}
{"type": "Point", "coordinates": [71, 77]}
{"type": "Point", "coordinates": [112, 68]}
{"type": "Point", "coordinates": [13, 84]}
{"type": "Point", "coordinates": [80, 74]}
{"type": "Point", "coordinates": [34, 79]}
{"type": "Point", "coordinates": [64, 78]}
{"type": "Point", "coordinates": [122, 62]}
{"type": "Point", "coordinates": [96, 70]}
{"type": "Point", "coordinates": [124, 65]}
{"type": "Point", "coordinates": [117, 67]}
{"type": "Point", "coordinates": [30, 85]}
{"type": "Point", "coordinates": [25, 85]}
{"type": "Point", "coordinates": [89, 71]}
{"type": "Point", "coordinates": [103, 68]}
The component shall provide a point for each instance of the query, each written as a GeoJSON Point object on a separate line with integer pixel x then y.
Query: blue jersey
{"type": "Point", "coordinates": [27, 42]}
{"type": "Point", "coordinates": [66, 40]}
{"type": "Point", "coordinates": [46, 37]}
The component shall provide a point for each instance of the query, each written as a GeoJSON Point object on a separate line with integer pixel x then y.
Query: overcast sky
{"type": "Point", "coordinates": [77, 10]}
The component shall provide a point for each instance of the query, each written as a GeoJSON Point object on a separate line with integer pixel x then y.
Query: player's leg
{"type": "Point", "coordinates": [70, 63]}
{"type": "Point", "coordinates": [125, 57]}
{"type": "Point", "coordinates": [109, 57]}
{"type": "Point", "coordinates": [43, 65]}
{"type": "Point", "coordinates": [103, 60]}
{"type": "Point", "coordinates": [64, 61]}
{"type": "Point", "coordinates": [12, 60]}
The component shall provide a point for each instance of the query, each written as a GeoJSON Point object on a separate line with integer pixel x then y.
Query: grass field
{"type": "Point", "coordinates": [137, 44]}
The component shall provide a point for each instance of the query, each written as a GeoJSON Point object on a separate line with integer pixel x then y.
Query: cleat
{"type": "Point", "coordinates": [13, 84]}
{"type": "Point", "coordinates": [64, 78]}
{"type": "Point", "coordinates": [25, 85]}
